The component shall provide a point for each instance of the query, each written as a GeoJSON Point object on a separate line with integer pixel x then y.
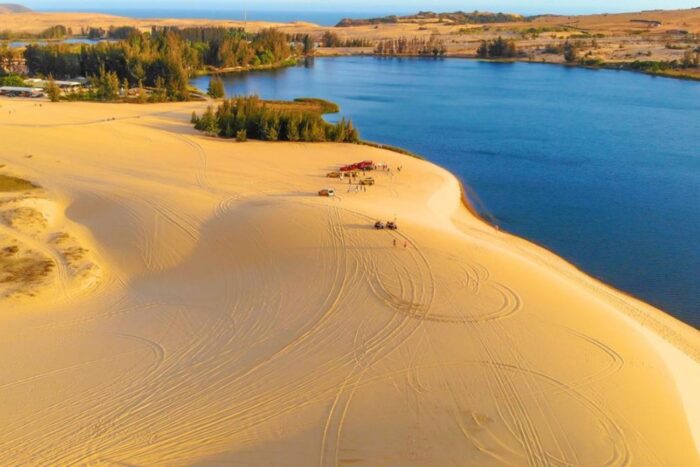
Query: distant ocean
{"type": "Point", "coordinates": [323, 18]}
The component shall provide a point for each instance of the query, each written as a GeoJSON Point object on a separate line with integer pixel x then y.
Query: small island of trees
{"type": "Point", "coordinates": [250, 117]}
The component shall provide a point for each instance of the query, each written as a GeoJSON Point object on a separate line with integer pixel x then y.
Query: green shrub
{"type": "Point", "coordinates": [11, 80]}
{"type": "Point", "coordinates": [216, 87]}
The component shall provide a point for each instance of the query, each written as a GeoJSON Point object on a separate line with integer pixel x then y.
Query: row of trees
{"type": "Point", "coordinates": [497, 48]}
{"type": "Point", "coordinates": [53, 32]}
{"type": "Point", "coordinates": [413, 47]}
{"type": "Point", "coordinates": [332, 39]}
{"type": "Point", "coordinates": [250, 117]}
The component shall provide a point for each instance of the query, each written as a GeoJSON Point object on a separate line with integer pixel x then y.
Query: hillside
{"type": "Point", "coordinates": [457, 17]}
{"type": "Point", "coordinates": [13, 8]}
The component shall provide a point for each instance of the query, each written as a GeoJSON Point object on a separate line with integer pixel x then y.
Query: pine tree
{"type": "Point", "coordinates": [216, 87]}
{"type": "Point", "coordinates": [308, 45]}
{"type": "Point", "coordinates": [570, 52]}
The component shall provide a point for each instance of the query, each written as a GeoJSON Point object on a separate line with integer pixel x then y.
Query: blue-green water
{"type": "Point", "coordinates": [602, 167]}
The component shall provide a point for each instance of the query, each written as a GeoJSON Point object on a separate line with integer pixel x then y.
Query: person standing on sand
{"type": "Point", "coordinates": [394, 242]}
{"type": "Point", "coordinates": [405, 244]}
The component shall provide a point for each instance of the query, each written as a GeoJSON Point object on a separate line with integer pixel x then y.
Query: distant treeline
{"type": "Point", "coordinates": [250, 117]}
{"type": "Point", "coordinates": [411, 47]}
{"type": "Point", "coordinates": [690, 60]}
{"type": "Point", "coordinates": [475, 17]}
{"type": "Point", "coordinates": [457, 17]}
{"type": "Point", "coordinates": [164, 56]}
{"type": "Point", "coordinates": [497, 48]}
{"type": "Point", "coordinates": [331, 39]}
{"type": "Point", "coordinates": [54, 32]}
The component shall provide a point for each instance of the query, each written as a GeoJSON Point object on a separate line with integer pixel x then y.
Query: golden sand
{"type": "Point", "coordinates": [203, 305]}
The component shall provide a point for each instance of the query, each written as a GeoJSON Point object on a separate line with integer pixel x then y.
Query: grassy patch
{"type": "Point", "coordinates": [8, 183]}
{"type": "Point", "coordinates": [327, 107]}
{"type": "Point", "coordinates": [305, 104]}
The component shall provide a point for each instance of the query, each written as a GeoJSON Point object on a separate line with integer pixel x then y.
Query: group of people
{"type": "Point", "coordinates": [405, 243]}
{"type": "Point", "coordinates": [356, 188]}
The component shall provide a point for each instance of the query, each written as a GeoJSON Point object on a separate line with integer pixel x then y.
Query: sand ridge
{"type": "Point", "coordinates": [239, 318]}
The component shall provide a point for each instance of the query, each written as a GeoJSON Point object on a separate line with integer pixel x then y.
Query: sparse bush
{"type": "Point", "coordinates": [216, 87]}
{"type": "Point", "coordinates": [52, 90]}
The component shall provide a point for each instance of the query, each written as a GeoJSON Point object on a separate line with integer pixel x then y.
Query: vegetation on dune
{"type": "Point", "coordinates": [216, 87]}
{"type": "Point", "coordinates": [162, 60]}
{"type": "Point", "coordinates": [52, 90]}
{"type": "Point", "coordinates": [8, 183]}
{"type": "Point", "coordinates": [50, 33]}
{"type": "Point", "coordinates": [332, 39]}
{"type": "Point", "coordinates": [250, 117]}
{"type": "Point", "coordinates": [457, 17]}
{"type": "Point", "coordinates": [691, 60]}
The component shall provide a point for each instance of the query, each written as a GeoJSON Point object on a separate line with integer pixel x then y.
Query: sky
{"type": "Point", "coordinates": [384, 6]}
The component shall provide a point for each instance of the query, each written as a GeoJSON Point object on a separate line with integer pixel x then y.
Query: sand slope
{"type": "Point", "coordinates": [229, 315]}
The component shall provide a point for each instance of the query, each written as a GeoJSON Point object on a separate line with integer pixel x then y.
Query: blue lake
{"type": "Point", "coordinates": [72, 40]}
{"type": "Point", "coordinates": [602, 167]}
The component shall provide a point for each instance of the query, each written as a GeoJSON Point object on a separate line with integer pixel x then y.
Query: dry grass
{"type": "Point", "coordinates": [8, 183]}
{"type": "Point", "coordinates": [20, 270]}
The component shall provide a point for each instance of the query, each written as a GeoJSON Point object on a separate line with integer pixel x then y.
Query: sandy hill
{"type": "Point", "coordinates": [171, 299]}
{"type": "Point", "coordinates": [13, 8]}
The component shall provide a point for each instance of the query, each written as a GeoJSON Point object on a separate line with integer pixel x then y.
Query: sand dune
{"type": "Point", "coordinates": [34, 22]}
{"type": "Point", "coordinates": [203, 306]}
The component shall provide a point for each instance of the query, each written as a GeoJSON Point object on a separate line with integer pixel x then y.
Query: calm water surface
{"type": "Point", "coordinates": [602, 167]}
{"type": "Point", "coordinates": [72, 40]}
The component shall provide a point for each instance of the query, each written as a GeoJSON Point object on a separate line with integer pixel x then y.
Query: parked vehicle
{"type": "Point", "coordinates": [391, 225]}
{"type": "Point", "coordinates": [327, 192]}
{"type": "Point", "coordinates": [379, 225]}
{"type": "Point", "coordinates": [340, 175]}
{"type": "Point", "coordinates": [367, 181]}
{"type": "Point", "coordinates": [363, 166]}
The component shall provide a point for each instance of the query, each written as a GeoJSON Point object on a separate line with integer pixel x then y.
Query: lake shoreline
{"type": "Point", "coordinates": [617, 66]}
{"type": "Point", "coordinates": [536, 153]}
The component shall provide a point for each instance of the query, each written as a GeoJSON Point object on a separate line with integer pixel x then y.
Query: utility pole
{"type": "Point", "coordinates": [245, 16]}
